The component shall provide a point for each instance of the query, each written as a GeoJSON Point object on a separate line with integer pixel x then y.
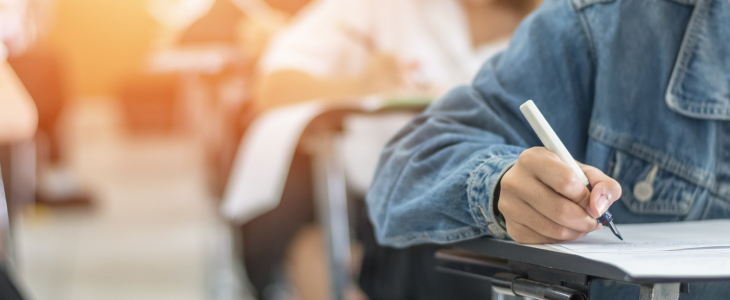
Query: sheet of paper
{"type": "Point", "coordinates": [654, 237]}
{"type": "Point", "coordinates": [699, 249]}
{"type": "Point", "coordinates": [670, 264]}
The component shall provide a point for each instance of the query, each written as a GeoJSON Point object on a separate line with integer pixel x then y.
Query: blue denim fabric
{"type": "Point", "coordinates": [613, 290]}
{"type": "Point", "coordinates": [626, 84]}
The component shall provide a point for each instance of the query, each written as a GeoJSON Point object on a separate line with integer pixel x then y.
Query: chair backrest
{"type": "Point", "coordinates": [5, 249]}
{"type": "Point", "coordinates": [8, 289]}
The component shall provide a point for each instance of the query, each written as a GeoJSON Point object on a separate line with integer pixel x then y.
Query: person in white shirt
{"type": "Point", "coordinates": [354, 47]}
{"type": "Point", "coordinates": [336, 49]}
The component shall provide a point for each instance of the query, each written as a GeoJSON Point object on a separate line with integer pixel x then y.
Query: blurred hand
{"type": "Point", "coordinates": [384, 72]}
{"type": "Point", "coordinates": [544, 201]}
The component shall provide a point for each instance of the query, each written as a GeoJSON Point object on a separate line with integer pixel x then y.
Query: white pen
{"type": "Point", "coordinates": [553, 143]}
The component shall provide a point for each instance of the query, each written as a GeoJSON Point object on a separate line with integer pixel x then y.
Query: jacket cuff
{"type": "Point", "coordinates": [481, 187]}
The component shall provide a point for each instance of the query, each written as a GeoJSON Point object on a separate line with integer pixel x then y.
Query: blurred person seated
{"type": "Point", "coordinates": [333, 51]}
{"type": "Point", "coordinates": [340, 48]}
{"type": "Point", "coordinates": [235, 32]}
{"type": "Point", "coordinates": [247, 24]}
{"type": "Point", "coordinates": [41, 73]}
{"type": "Point", "coordinates": [18, 121]}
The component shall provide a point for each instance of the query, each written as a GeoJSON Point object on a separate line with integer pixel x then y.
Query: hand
{"type": "Point", "coordinates": [384, 72]}
{"type": "Point", "coordinates": [544, 201]}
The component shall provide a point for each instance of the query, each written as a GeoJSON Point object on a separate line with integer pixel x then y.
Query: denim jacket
{"type": "Point", "coordinates": [628, 85]}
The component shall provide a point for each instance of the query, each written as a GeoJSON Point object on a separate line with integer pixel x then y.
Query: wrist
{"type": "Point", "coordinates": [482, 184]}
{"type": "Point", "coordinates": [498, 216]}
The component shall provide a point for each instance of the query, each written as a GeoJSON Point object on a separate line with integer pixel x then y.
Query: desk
{"type": "Point", "coordinates": [533, 271]}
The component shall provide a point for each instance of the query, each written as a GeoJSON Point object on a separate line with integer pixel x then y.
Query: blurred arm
{"type": "Point", "coordinates": [18, 114]}
{"type": "Point", "coordinates": [293, 86]}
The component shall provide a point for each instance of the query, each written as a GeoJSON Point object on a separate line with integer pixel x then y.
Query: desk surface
{"type": "Point", "coordinates": [561, 261]}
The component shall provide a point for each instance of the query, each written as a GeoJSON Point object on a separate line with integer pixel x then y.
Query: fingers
{"type": "Point", "coordinates": [543, 200]}
{"type": "Point", "coordinates": [553, 172]}
{"type": "Point", "coordinates": [606, 190]}
{"type": "Point", "coordinates": [522, 234]}
{"type": "Point", "coordinates": [527, 216]}
{"type": "Point", "coordinates": [384, 72]}
{"type": "Point", "coordinates": [555, 207]}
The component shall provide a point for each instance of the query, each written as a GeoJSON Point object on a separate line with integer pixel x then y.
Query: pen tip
{"type": "Point", "coordinates": [615, 231]}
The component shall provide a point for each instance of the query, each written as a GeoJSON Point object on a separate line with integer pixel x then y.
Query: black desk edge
{"type": "Point", "coordinates": [563, 261]}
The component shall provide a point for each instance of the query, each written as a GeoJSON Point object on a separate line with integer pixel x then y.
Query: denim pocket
{"type": "Point", "coordinates": [670, 195]}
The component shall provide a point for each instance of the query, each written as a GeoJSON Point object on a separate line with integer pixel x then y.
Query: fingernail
{"type": "Point", "coordinates": [602, 204]}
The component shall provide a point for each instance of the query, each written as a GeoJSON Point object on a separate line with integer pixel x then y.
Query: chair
{"type": "Point", "coordinates": [17, 165]}
{"type": "Point", "coordinates": [257, 178]}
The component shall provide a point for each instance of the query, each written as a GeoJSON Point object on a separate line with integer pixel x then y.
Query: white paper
{"type": "Point", "coordinates": [655, 237]}
{"type": "Point", "coordinates": [699, 249]}
{"type": "Point", "coordinates": [670, 264]}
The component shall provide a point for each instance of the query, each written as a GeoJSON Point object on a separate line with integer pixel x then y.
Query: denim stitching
{"type": "Point", "coordinates": [684, 2]}
{"type": "Point", "coordinates": [478, 181]}
{"type": "Point", "coordinates": [694, 175]}
{"type": "Point", "coordinates": [676, 203]}
{"type": "Point", "coordinates": [438, 237]}
{"type": "Point", "coordinates": [687, 47]}
{"type": "Point", "coordinates": [674, 92]}
{"type": "Point", "coordinates": [702, 109]}
{"type": "Point", "coordinates": [586, 29]}
{"type": "Point", "coordinates": [497, 225]}
{"type": "Point", "coordinates": [581, 4]}
{"type": "Point", "coordinates": [472, 195]}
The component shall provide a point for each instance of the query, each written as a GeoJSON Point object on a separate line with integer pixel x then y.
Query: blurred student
{"type": "Point", "coordinates": [18, 121]}
{"type": "Point", "coordinates": [340, 48]}
{"type": "Point", "coordinates": [41, 72]}
{"type": "Point", "coordinates": [638, 90]}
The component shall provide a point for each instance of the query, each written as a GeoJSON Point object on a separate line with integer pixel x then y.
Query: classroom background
{"type": "Point", "coordinates": [125, 190]}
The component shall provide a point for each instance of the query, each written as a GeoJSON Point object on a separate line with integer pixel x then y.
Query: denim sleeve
{"type": "Point", "coordinates": [436, 178]}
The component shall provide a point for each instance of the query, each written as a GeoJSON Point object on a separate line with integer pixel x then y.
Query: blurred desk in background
{"type": "Point", "coordinates": [200, 90]}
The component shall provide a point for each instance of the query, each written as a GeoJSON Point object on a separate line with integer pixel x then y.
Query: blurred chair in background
{"type": "Point", "coordinates": [228, 89]}
{"type": "Point", "coordinates": [212, 53]}
{"type": "Point", "coordinates": [340, 50]}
